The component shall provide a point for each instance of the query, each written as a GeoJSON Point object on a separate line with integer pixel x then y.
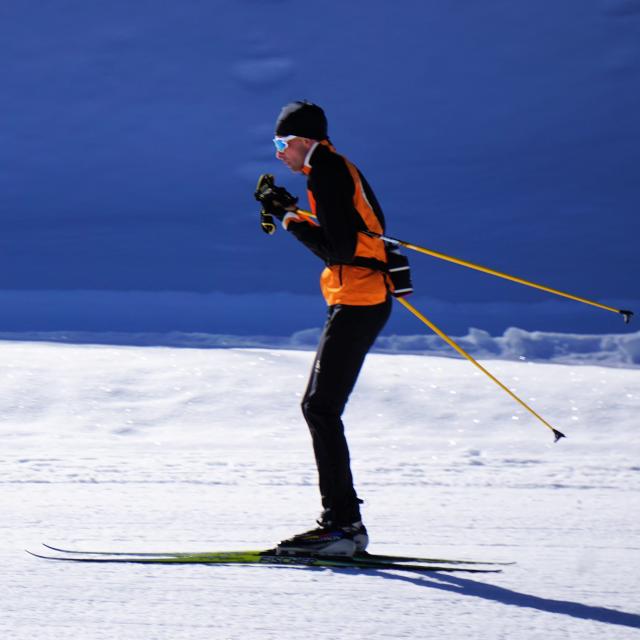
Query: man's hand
{"type": "Point", "coordinates": [275, 201]}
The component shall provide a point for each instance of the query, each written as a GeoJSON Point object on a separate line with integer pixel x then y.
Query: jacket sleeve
{"type": "Point", "coordinates": [336, 237]}
{"type": "Point", "coordinates": [310, 234]}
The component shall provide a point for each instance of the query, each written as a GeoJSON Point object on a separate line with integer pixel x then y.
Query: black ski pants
{"type": "Point", "coordinates": [348, 334]}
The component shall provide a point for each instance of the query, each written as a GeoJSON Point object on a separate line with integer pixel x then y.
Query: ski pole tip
{"type": "Point", "coordinates": [558, 435]}
{"type": "Point", "coordinates": [626, 315]}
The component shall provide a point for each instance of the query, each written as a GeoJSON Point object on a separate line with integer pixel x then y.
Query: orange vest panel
{"type": "Point", "coordinates": [349, 284]}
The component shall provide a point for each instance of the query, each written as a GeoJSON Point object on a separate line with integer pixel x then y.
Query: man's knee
{"type": "Point", "coordinates": [309, 409]}
{"type": "Point", "coordinates": [317, 411]}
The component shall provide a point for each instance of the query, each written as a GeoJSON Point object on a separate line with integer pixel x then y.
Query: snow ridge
{"type": "Point", "coordinates": [613, 350]}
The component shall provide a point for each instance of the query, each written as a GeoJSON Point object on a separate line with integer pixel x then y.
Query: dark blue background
{"type": "Point", "coordinates": [132, 135]}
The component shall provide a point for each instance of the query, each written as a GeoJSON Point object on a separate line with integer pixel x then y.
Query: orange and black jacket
{"type": "Point", "coordinates": [345, 206]}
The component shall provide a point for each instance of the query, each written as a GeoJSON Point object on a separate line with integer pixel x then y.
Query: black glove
{"type": "Point", "coordinates": [275, 209]}
{"type": "Point", "coordinates": [275, 201]}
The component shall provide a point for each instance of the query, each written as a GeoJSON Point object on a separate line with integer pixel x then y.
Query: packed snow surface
{"type": "Point", "coordinates": [164, 447]}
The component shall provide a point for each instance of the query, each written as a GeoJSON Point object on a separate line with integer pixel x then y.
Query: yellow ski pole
{"type": "Point", "coordinates": [471, 265]}
{"type": "Point", "coordinates": [462, 352]}
{"type": "Point", "coordinates": [465, 263]}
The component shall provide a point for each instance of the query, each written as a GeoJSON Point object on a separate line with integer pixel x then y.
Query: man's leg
{"type": "Point", "coordinates": [347, 337]}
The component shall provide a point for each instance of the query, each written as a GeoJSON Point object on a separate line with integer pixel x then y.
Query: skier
{"type": "Point", "coordinates": [357, 291]}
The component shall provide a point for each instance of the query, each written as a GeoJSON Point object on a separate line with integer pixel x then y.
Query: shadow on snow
{"type": "Point", "coordinates": [467, 587]}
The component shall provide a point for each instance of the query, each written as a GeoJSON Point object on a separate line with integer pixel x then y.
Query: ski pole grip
{"type": "Point", "coordinates": [267, 223]}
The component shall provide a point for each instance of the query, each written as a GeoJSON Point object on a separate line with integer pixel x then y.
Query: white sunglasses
{"type": "Point", "coordinates": [282, 142]}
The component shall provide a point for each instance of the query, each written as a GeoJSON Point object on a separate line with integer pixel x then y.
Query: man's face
{"type": "Point", "coordinates": [295, 153]}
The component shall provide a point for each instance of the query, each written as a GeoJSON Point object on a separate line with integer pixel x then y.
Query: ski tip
{"type": "Point", "coordinates": [50, 547]}
{"type": "Point", "coordinates": [558, 435]}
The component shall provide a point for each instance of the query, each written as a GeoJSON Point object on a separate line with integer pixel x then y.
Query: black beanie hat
{"type": "Point", "coordinates": [303, 119]}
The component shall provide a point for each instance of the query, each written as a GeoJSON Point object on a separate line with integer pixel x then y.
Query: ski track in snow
{"type": "Point", "coordinates": [156, 448]}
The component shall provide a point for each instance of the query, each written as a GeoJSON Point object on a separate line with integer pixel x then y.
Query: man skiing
{"type": "Point", "coordinates": [357, 291]}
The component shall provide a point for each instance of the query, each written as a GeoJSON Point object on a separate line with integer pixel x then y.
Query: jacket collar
{"type": "Point", "coordinates": [308, 161]}
{"type": "Point", "coordinates": [306, 169]}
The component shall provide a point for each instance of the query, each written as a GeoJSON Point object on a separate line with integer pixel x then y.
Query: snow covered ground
{"type": "Point", "coordinates": [152, 448]}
